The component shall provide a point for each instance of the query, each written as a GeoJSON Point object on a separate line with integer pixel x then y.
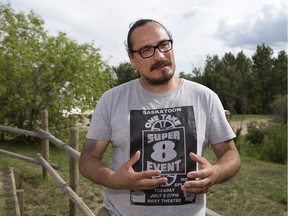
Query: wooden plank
{"type": "Point", "coordinates": [19, 131]}
{"type": "Point", "coordinates": [24, 158]}
{"type": "Point", "coordinates": [209, 212]}
{"type": "Point", "coordinates": [74, 168]}
{"type": "Point", "coordinates": [14, 193]}
{"type": "Point", "coordinates": [67, 190]}
{"type": "Point", "coordinates": [45, 142]}
{"type": "Point", "coordinates": [72, 152]}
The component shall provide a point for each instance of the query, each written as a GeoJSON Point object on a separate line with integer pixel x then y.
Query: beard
{"type": "Point", "coordinates": [165, 75]}
{"type": "Point", "coordinates": [164, 79]}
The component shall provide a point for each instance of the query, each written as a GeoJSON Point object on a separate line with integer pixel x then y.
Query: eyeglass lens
{"type": "Point", "coordinates": [149, 51]}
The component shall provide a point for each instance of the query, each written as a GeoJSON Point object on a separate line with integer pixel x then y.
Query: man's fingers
{"type": "Point", "coordinates": [150, 183]}
{"type": "Point", "coordinates": [149, 174]}
{"type": "Point", "coordinates": [134, 159]}
{"type": "Point", "coordinates": [197, 158]}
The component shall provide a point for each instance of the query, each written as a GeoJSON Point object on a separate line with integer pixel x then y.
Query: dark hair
{"type": "Point", "coordinates": [139, 23]}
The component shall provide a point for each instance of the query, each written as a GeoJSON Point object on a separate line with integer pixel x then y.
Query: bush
{"type": "Point", "coordinates": [266, 142]}
{"type": "Point", "coordinates": [275, 144]}
{"type": "Point", "coordinates": [256, 132]}
{"type": "Point", "coordinates": [279, 108]}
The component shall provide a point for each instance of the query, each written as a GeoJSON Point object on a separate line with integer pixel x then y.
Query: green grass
{"type": "Point", "coordinates": [258, 189]}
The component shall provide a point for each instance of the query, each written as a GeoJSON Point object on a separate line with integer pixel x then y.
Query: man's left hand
{"type": "Point", "coordinates": [204, 178]}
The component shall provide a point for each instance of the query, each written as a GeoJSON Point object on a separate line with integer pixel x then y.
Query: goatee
{"type": "Point", "coordinates": [164, 79]}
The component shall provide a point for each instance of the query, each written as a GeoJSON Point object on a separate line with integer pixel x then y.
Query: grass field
{"type": "Point", "coordinates": [260, 188]}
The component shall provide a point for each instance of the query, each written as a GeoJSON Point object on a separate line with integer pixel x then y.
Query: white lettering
{"type": "Point", "coordinates": [173, 135]}
{"type": "Point", "coordinates": [162, 111]}
{"type": "Point", "coordinates": [167, 167]}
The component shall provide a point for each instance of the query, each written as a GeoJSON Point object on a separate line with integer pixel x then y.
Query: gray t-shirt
{"type": "Point", "coordinates": [165, 127]}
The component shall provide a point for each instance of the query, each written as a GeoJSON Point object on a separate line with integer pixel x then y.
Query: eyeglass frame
{"type": "Point", "coordinates": [155, 47]}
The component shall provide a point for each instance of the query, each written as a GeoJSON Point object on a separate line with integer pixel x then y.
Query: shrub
{"type": "Point", "coordinates": [256, 132]}
{"type": "Point", "coordinates": [266, 142]}
{"type": "Point", "coordinates": [279, 108]}
{"type": "Point", "coordinates": [274, 146]}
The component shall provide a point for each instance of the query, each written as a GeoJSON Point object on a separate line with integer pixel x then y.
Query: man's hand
{"type": "Point", "coordinates": [204, 177]}
{"type": "Point", "coordinates": [228, 164]}
{"type": "Point", "coordinates": [127, 178]}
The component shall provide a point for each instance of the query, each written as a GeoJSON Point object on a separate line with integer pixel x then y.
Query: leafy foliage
{"type": "Point", "coordinates": [279, 108]}
{"type": "Point", "coordinates": [275, 144]}
{"type": "Point", "coordinates": [244, 85]}
{"type": "Point", "coordinates": [267, 142]}
{"type": "Point", "coordinates": [39, 72]}
{"type": "Point", "coordinates": [256, 132]}
{"type": "Point", "coordinates": [125, 72]}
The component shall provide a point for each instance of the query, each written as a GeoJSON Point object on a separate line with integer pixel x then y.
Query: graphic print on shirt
{"type": "Point", "coordinates": [165, 137]}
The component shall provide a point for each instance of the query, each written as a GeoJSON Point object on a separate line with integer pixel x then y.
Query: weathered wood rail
{"type": "Point", "coordinates": [74, 199]}
{"type": "Point", "coordinates": [47, 167]}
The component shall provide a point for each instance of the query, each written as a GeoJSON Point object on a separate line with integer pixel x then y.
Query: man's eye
{"type": "Point", "coordinates": [146, 50]}
{"type": "Point", "coordinates": [164, 44]}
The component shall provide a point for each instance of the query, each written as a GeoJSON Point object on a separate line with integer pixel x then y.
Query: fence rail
{"type": "Point", "coordinates": [67, 190]}
{"type": "Point", "coordinates": [19, 131]}
{"type": "Point", "coordinates": [43, 160]}
{"type": "Point", "coordinates": [47, 167]}
{"type": "Point", "coordinates": [72, 152]}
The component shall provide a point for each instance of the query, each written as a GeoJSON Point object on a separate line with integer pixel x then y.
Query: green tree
{"type": "Point", "coordinates": [195, 76]}
{"type": "Point", "coordinates": [125, 72]}
{"type": "Point", "coordinates": [279, 81]}
{"type": "Point", "coordinates": [245, 87]}
{"type": "Point", "coordinates": [263, 71]}
{"type": "Point", "coordinates": [187, 76]}
{"type": "Point", "coordinates": [39, 72]}
{"type": "Point", "coordinates": [221, 77]}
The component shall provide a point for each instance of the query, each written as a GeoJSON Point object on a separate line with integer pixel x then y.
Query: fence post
{"type": "Point", "coordinates": [74, 172]}
{"type": "Point", "coordinates": [16, 176]}
{"type": "Point", "coordinates": [14, 193]}
{"type": "Point", "coordinates": [20, 197]}
{"type": "Point", "coordinates": [45, 142]}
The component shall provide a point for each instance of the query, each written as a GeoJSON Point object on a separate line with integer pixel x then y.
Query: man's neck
{"type": "Point", "coordinates": [169, 86]}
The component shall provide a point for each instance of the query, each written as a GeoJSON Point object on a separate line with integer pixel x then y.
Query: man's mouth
{"type": "Point", "coordinates": [160, 64]}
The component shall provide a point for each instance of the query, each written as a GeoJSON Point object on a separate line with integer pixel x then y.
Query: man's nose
{"type": "Point", "coordinates": [158, 55]}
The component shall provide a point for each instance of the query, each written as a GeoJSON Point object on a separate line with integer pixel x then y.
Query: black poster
{"type": "Point", "coordinates": [165, 138]}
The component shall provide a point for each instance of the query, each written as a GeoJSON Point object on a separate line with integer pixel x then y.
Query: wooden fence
{"type": "Point", "coordinates": [43, 160]}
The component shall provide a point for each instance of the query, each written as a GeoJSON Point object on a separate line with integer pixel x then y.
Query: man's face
{"type": "Point", "coordinates": [159, 68]}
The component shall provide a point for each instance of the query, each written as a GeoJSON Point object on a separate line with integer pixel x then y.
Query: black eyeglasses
{"type": "Point", "coordinates": [148, 51]}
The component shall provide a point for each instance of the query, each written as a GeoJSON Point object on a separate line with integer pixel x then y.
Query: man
{"type": "Point", "coordinates": [159, 126]}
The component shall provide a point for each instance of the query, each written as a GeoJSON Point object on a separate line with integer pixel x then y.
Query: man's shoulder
{"type": "Point", "coordinates": [119, 91]}
{"type": "Point", "coordinates": [196, 87]}
{"type": "Point", "coordinates": [122, 87]}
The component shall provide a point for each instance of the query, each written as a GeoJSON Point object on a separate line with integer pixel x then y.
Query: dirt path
{"type": "Point", "coordinates": [243, 124]}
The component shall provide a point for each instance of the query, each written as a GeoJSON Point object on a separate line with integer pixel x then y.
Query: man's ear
{"type": "Point", "coordinates": [131, 58]}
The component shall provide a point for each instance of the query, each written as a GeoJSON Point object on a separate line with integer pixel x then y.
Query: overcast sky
{"type": "Point", "coordinates": [199, 27]}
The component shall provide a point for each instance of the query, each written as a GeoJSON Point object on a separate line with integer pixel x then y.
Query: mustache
{"type": "Point", "coordinates": [159, 64]}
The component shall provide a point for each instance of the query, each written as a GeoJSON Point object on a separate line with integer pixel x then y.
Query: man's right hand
{"type": "Point", "coordinates": [127, 178]}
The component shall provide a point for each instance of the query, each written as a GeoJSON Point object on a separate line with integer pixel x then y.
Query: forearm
{"type": "Point", "coordinates": [93, 169]}
{"type": "Point", "coordinates": [124, 178]}
{"type": "Point", "coordinates": [227, 166]}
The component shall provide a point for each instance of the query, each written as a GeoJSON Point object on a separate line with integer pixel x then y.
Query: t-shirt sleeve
{"type": "Point", "coordinates": [100, 126]}
{"type": "Point", "coordinates": [220, 129]}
